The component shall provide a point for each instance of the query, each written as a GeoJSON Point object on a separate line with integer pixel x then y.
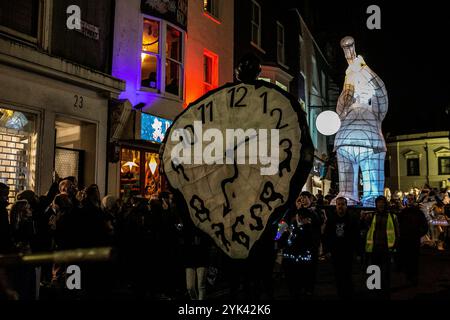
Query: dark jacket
{"type": "Point", "coordinates": [196, 248]}
{"type": "Point", "coordinates": [413, 225]}
{"type": "Point", "coordinates": [341, 235]}
{"type": "Point", "coordinates": [301, 238]}
{"type": "Point", "coordinates": [5, 230]}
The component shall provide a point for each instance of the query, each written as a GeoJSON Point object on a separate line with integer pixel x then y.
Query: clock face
{"type": "Point", "coordinates": [234, 155]}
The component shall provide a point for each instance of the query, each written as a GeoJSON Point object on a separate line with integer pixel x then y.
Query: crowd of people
{"type": "Point", "coordinates": [162, 255]}
{"type": "Point", "coordinates": [393, 232]}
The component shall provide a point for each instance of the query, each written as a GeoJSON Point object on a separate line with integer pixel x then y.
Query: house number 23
{"type": "Point", "coordinates": [78, 101]}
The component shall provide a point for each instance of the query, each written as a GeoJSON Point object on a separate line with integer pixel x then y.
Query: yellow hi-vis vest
{"type": "Point", "coordinates": [390, 230]}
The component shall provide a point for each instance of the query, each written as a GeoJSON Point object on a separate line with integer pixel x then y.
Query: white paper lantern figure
{"type": "Point", "coordinates": [359, 143]}
{"type": "Point", "coordinates": [226, 192]}
{"type": "Point", "coordinates": [328, 123]}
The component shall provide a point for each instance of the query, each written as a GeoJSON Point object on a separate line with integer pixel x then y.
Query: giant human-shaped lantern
{"type": "Point", "coordinates": [252, 153]}
{"type": "Point", "coordinates": [359, 143]}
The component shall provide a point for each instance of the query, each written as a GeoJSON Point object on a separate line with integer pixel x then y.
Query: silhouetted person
{"type": "Point", "coordinates": [413, 226]}
{"type": "Point", "coordinates": [341, 238]}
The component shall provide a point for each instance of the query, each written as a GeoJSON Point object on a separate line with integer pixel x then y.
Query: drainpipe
{"type": "Point", "coordinates": [428, 169]}
{"type": "Point", "coordinates": [398, 166]}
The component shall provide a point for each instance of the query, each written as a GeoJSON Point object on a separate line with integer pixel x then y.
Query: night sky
{"type": "Point", "coordinates": [410, 53]}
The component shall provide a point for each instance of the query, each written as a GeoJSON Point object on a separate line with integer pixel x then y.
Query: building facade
{"type": "Point", "coordinates": [55, 93]}
{"type": "Point", "coordinates": [418, 159]}
{"type": "Point", "coordinates": [169, 53]}
{"type": "Point", "coordinates": [277, 34]}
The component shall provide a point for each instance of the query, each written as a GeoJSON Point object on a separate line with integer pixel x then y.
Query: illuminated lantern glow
{"type": "Point", "coordinates": [359, 142]}
{"type": "Point", "coordinates": [328, 123]}
{"type": "Point", "coordinates": [130, 164]}
{"type": "Point", "coordinates": [152, 165]}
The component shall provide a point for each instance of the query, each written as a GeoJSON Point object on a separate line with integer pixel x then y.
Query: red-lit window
{"type": "Point", "coordinates": [210, 71]}
{"type": "Point", "coordinates": [211, 7]}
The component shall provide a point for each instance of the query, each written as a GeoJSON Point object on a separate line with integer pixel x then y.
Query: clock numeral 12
{"type": "Point", "coordinates": [233, 92]}
{"type": "Point", "coordinates": [209, 106]}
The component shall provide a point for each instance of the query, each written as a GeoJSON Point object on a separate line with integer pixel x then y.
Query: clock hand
{"type": "Point", "coordinates": [231, 151]}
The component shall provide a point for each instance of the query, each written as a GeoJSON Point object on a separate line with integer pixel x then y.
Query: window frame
{"type": "Point", "coordinates": [412, 174]}
{"type": "Point", "coordinates": [214, 70]}
{"type": "Point", "coordinates": [215, 11]}
{"type": "Point", "coordinates": [281, 60]}
{"type": "Point", "coordinates": [257, 24]}
{"type": "Point", "coordinates": [161, 67]}
{"type": "Point", "coordinates": [41, 23]}
{"type": "Point", "coordinates": [440, 166]}
{"type": "Point", "coordinates": [157, 55]}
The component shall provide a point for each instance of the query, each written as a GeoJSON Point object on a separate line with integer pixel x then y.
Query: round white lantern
{"type": "Point", "coordinates": [328, 123]}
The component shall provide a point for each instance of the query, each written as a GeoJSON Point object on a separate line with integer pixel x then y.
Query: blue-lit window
{"type": "Point", "coordinates": [154, 128]}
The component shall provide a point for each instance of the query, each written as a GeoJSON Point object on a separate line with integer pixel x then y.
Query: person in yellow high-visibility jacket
{"type": "Point", "coordinates": [381, 241]}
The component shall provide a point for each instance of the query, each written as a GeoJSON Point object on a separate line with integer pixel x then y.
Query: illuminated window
{"type": "Point", "coordinates": [280, 43]}
{"type": "Point", "coordinates": [139, 173]}
{"type": "Point", "coordinates": [157, 48]}
{"type": "Point", "coordinates": [210, 71]}
{"type": "Point", "coordinates": [150, 56]}
{"type": "Point", "coordinates": [152, 180]}
{"type": "Point", "coordinates": [18, 142]}
{"type": "Point", "coordinates": [413, 168]}
{"type": "Point", "coordinates": [130, 169]}
{"type": "Point", "coordinates": [211, 7]}
{"type": "Point", "coordinates": [444, 165]}
{"type": "Point", "coordinates": [256, 24]}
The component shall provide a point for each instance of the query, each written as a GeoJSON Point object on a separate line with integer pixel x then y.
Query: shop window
{"type": "Point", "coordinates": [18, 143]}
{"type": "Point", "coordinates": [130, 171]}
{"type": "Point", "coordinates": [152, 177]}
{"type": "Point", "coordinates": [139, 173]}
